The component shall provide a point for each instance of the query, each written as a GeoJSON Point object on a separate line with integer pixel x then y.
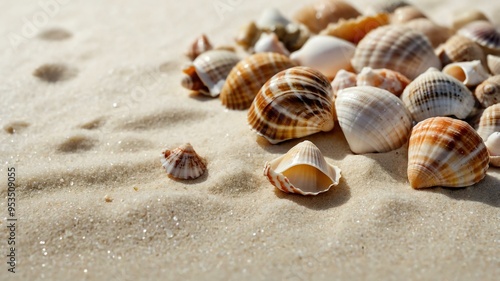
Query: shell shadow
{"type": "Point", "coordinates": [199, 96]}
{"type": "Point", "coordinates": [395, 162]}
{"type": "Point", "coordinates": [198, 180]}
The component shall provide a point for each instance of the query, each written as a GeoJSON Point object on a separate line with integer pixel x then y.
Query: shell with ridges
{"type": "Point", "coordinates": [489, 121]}
{"type": "Point", "coordinates": [302, 170]}
{"type": "Point", "coordinates": [183, 162]}
{"type": "Point", "coordinates": [353, 30]}
{"type": "Point", "coordinates": [199, 46]}
{"type": "Point", "coordinates": [386, 79]}
{"type": "Point", "coordinates": [483, 33]}
{"type": "Point", "coordinates": [471, 73]}
{"type": "Point", "coordinates": [372, 119]}
{"type": "Point", "coordinates": [436, 34]}
{"type": "Point", "coordinates": [494, 64]}
{"type": "Point", "coordinates": [459, 48]}
{"type": "Point", "coordinates": [294, 103]}
{"type": "Point", "coordinates": [493, 146]}
{"type": "Point", "coordinates": [445, 152]}
{"type": "Point", "coordinates": [488, 92]}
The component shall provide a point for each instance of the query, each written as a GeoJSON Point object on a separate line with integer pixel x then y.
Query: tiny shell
{"type": "Point", "coordinates": [199, 46]}
{"type": "Point", "coordinates": [445, 152]}
{"type": "Point", "coordinates": [248, 36]}
{"type": "Point", "coordinates": [488, 92]}
{"type": "Point", "coordinates": [269, 42]}
{"type": "Point", "coordinates": [459, 48]}
{"type": "Point", "coordinates": [406, 14]}
{"type": "Point", "coordinates": [493, 146]}
{"type": "Point", "coordinates": [344, 79]}
{"type": "Point", "coordinates": [461, 19]}
{"type": "Point", "coordinates": [302, 170]}
{"type": "Point", "coordinates": [494, 64]}
{"type": "Point", "coordinates": [489, 121]}
{"type": "Point", "coordinates": [435, 33]}
{"type": "Point", "coordinates": [484, 33]}
{"type": "Point", "coordinates": [353, 30]}
{"type": "Point", "coordinates": [386, 79]}
{"type": "Point", "coordinates": [471, 73]}
{"type": "Point", "coordinates": [183, 162]}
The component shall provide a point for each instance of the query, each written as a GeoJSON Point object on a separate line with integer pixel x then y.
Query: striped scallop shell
{"type": "Point", "coordinates": [493, 146]}
{"type": "Point", "coordinates": [445, 152]}
{"type": "Point", "coordinates": [302, 170]}
{"type": "Point", "coordinates": [294, 103]}
{"type": "Point", "coordinates": [247, 77]}
{"type": "Point", "coordinates": [494, 64]}
{"type": "Point", "coordinates": [488, 92]}
{"type": "Point", "coordinates": [483, 33]}
{"type": "Point", "coordinates": [489, 121]}
{"type": "Point", "coordinates": [386, 79]}
{"type": "Point", "coordinates": [183, 162]}
{"type": "Point", "coordinates": [372, 119]}
{"type": "Point", "coordinates": [437, 94]}
{"type": "Point", "coordinates": [471, 73]}
{"type": "Point", "coordinates": [398, 48]}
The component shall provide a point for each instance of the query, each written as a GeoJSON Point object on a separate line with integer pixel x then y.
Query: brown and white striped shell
{"type": "Point", "coordinates": [471, 73]}
{"type": "Point", "coordinates": [183, 162]}
{"type": "Point", "coordinates": [458, 49]}
{"type": "Point", "coordinates": [372, 119]}
{"type": "Point", "coordinates": [386, 79]}
{"type": "Point", "coordinates": [445, 152]}
{"type": "Point", "coordinates": [436, 34]}
{"type": "Point", "coordinates": [302, 170]}
{"type": "Point", "coordinates": [294, 103]}
{"type": "Point", "coordinates": [488, 92]}
{"type": "Point", "coordinates": [493, 146]}
{"type": "Point", "coordinates": [249, 75]}
{"type": "Point", "coordinates": [398, 48]}
{"type": "Point", "coordinates": [494, 64]}
{"type": "Point", "coordinates": [200, 45]}
{"type": "Point", "coordinates": [353, 30]}
{"type": "Point", "coordinates": [437, 94]}
{"type": "Point", "coordinates": [489, 121]}
{"type": "Point", "coordinates": [483, 33]}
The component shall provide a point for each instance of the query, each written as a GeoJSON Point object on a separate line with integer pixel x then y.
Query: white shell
{"type": "Point", "coordinates": [269, 42]}
{"type": "Point", "coordinates": [302, 170]}
{"type": "Point", "coordinates": [270, 18]}
{"type": "Point", "coordinates": [494, 64]}
{"type": "Point", "coordinates": [344, 79]}
{"type": "Point", "coordinates": [493, 146]}
{"type": "Point", "coordinates": [489, 121]}
{"type": "Point", "coordinates": [471, 73]}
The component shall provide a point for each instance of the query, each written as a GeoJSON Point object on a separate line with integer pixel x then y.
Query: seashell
{"type": "Point", "coordinates": [388, 6]}
{"type": "Point", "coordinates": [488, 92]}
{"type": "Point", "coordinates": [493, 146]}
{"type": "Point", "coordinates": [183, 162]}
{"type": "Point", "coordinates": [494, 64]}
{"type": "Point", "coordinates": [302, 170]}
{"type": "Point", "coordinates": [209, 69]}
{"type": "Point", "coordinates": [294, 103]}
{"type": "Point", "coordinates": [397, 48]}
{"type": "Point", "coordinates": [200, 45]}
{"type": "Point", "coordinates": [483, 33]}
{"type": "Point", "coordinates": [459, 48]}
{"type": "Point", "coordinates": [326, 54]}
{"type": "Point", "coordinates": [461, 19]}
{"type": "Point", "coordinates": [344, 79]}
{"type": "Point", "coordinates": [372, 119]}
{"type": "Point", "coordinates": [353, 30]}
{"type": "Point", "coordinates": [318, 15]}
{"type": "Point", "coordinates": [489, 121]}
{"type": "Point", "coordinates": [406, 14]}
{"type": "Point", "coordinates": [386, 79]}
{"type": "Point", "coordinates": [270, 18]}
{"type": "Point", "coordinates": [248, 36]}
{"type": "Point", "coordinates": [269, 42]}
{"type": "Point", "coordinates": [437, 94]}
{"type": "Point", "coordinates": [445, 152]}
{"type": "Point", "coordinates": [247, 77]}
{"type": "Point", "coordinates": [471, 73]}
{"type": "Point", "coordinates": [435, 33]}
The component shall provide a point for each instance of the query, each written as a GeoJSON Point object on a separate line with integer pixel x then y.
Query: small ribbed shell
{"type": "Point", "coordinates": [183, 162]}
{"type": "Point", "coordinates": [437, 94]}
{"type": "Point", "coordinates": [494, 64]}
{"type": "Point", "coordinates": [445, 152]}
{"type": "Point", "coordinates": [483, 33]}
{"type": "Point", "coordinates": [406, 14]}
{"type": "Point", "coordinates": [302, 170]}
{"type": "Point", "coordinates": [466, 16]}
{"type": "Point", "coordinates": [372, 119]}
{"type": "Point", "coordinates": [436, 34]}
{"type": "Point", "coordinates": [459, 48]}
{"type": "Point", "coordinates": [489, 121]}
{"type": "Point", "coordinates": [488, 92]}
{"type": "Point", "coordinates": [493, 146]}
{"type": "Point", "coordinates": [398, 48]}
{"type": "Point", "coordinates": [353, 30]}
{"type": "Point", "coordinates": [247, 77]}
{"type": "Point", "coordinates": [199, 46]}
{"type": "Point", "coordinates": [294, 103]}
{"type": "Point", "coordinates": [471, 73]}
{"type": "Point", "coordinates": [386, 79]}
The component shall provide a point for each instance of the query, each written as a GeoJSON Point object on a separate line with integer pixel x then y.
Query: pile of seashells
{"type": "Point", "coordinates": [389, 78]}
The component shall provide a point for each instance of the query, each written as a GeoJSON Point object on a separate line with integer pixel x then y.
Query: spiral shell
{"type": "Point", "coordinates": [489, 121]}
{"type": "Point", "coordinates": [458, 49]}
{"type": "Point", "coordinates": [398, 48]}
{"type": "Point", "coordinates": [471, 73]}
{"type": "Point", "coordinates": [493, 146]}
{"type": "Point", "coordinates": [302, 170]}
{"type": "Point", "coordinates": [199, 46]}
{"type": "Point", "coordinates": [183, 162]}
{"type": "Point", "coordinates": [247, 77]}
{"type": "Point", "coordinates": [488, 92]}
{"type": "Point", "coordinates": [483, 33]}
{"type": "Point", "coordinates": [405, 14]}
{"type": "Point", "coordinates": [435, 33]}
{"type": "Point", "coordinates": [294, 103]}
{"type": "Point", "coordinates": [353, 30]}
{"type": "Point", "coordinates": [386, 79]}
{"type": "Point", "coordinates": [436, 94]}
{"type": "Point", "coordinates": [445, 152]}
{"type": "Point", "coordinates": [462, 18]}
{"type": "Point", "coordinates": [344, 79]}
{"type": "Point", "coordinates": [494, 64]}
{"type": "Point", "coordinates": [372, 119]}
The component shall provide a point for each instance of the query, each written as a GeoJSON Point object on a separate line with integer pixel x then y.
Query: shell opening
{"type": "Point", "coordinates": [308, 179]}
{"type": "Point", "coordinates": [457, 72]}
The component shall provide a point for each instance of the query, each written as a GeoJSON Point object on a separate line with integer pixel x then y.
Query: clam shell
{"type": "Point", "coordinates": [344, 79]}
{"type": "Point", "coordinates": [493, 146]}
{"type": "Point", "coordinates": [488, 92]}
{"type": "Point", "coordinates": [405, 14]}
{"type": "Point", "coordinates": [494, 64]}
{"type": "Point", "coordinates": [386, 79]}
{"type": "Point", "coordinates": [353, 30]}
{"type": "Point", "coordinates": [269, 42]}
{"type": "Point", "coordinates": [462, 18]}
{"type": "Point", "coordinates": [459, 48]}
{"type": "Point", "coordinates": [483, 33]}
{"type": "Point", "coordinates": [437, 94]}
{"type": "Point", "coordinates": [302, 170]}
{"type": "Point", "coordinates": [445, 152]}
{"type": "Point", "coordinates": [183, 162]}
{"type": "Point", "coordinates": [398, 48]}
{"type": "Point", "coordinates": [435, 33]}
{"type": "Point", "coordinates": [247, 77]}
{"type": "Point", "coordinates": [489, 121]}
{"type": "Point", "coordinates": [372, 119]}
{"type": "Point", "coordinates": [326, 54]}
{"type": "Point", "coordinates": [294, 103]}
{"type": "Point", "coordinates": [471, 73]}
{"type": "Point", "coordinates": [199, 46]}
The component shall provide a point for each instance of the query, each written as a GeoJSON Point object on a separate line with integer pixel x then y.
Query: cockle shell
{"type": "Point", "coordinates": [372, 119]}
{"type": "Point", "coordinates": [483, 33]}
{"type": "Point", "coordinates": [183, 162]}
{"type": "Point", "coordinates": [489, 121]}
{"type": "Point", "coordinates": [436, 34]}
{"type": "Point", "coordinates": [493, 146]}
{"type": "Point", "coordinates": [459, 48]}
{"type": "Point", "coordinates": [471, 73]}
{"type": "Point", "coordinates": [344, 79]}
{"type": "Point", "coordinates": [488, 92]}
{"type": "Point", "coordinates": [405, 14]}
{"type": "Point", "coordinates": [353, 30]}
{"type": "Point", "coordinates": [294, 103]}
{"type": "Point", "coordinates": [247, 77]}
{"type": "Point", "coordinates": [302, 170]}
{"type": "Point", "coordinates": [398, 48]}
{"type": "Point", "coordinates": [199, 46]}
{"type": "Point", "coordinates": [386, 79]}
{"type": "Point", "coordinates": [269, 42]}
{"type": "Point", "coordinates": [211, 69]}
{"type": "Point", "coordinates": [437, 94]}
{"type": "Point", "coordinates": [445, 152]}
{"type": "Point", "coordinates": [462, 18]}
{"type": "Point", "coordinates": [326, 54]}
{"type": "Point", "coordinates": [494, 64]}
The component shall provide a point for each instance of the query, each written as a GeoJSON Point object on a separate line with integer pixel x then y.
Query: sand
{"type": "Point", "coordinates": [94, 203]}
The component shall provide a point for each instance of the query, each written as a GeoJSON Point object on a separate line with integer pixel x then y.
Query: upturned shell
{"type": "Point", "coordinates": [445, 152]}
{"type": "Point", "coordinates": [483, 33]}
{"type": "Point", "coordinates": [406, 14]}
{"type": "Point", "coordinates": [386, 79]}
{"type": "Point", "coordinates": [489, 121]}
{"type": "Point", "coordinates": [247, 77]}
{"type": "Point", "coordinates": [294, 103]}
{"type": "Point", "coordinates": [183, 162]}
{"type": "Point", "coordinates": [471, 73]}
{"type": "Point", "coordinates": [398, 48]}
{"type": "Point", "coordinates": [344, 79]}
{"type": "Point", "coordinates": [199, 46]}
{"type": "Point", "coordinates": [437, 94]}
{"type": "Point", "coordinates": [493, 146]}
{"type": "Point", "coordinates": [488, 92]}
{"type": "Point", "coordinates": [269, 42]}
{"type": "Point", "coordinates": [372, 119]}
{"type": "Point", "coordinates": [326, 54]}
{"type": "Point", "coordinates": [353, 30]}
{"type": "Point", "coordinates": [435, 33]}
{"type": "Point", "coordinates": [211, 69]}
{"type": "Point", "coordinates": [462, 18]}
{"type": "Point", "coordinates": [302, 170]}
{"type": "Point", "coordinates": [459, 48]}
{"type": "Point", "coordinates": [494, 64]}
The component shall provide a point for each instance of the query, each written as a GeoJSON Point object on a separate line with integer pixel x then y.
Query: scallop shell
{"type": "Point", "coordinates": [488, 92]}
{"type": "Point", "coordinates": [437, 94]}
{"type": "Point", "coordinates": [199, 46]}
{"type": "Point", "coordinates": [398, 48]}
{"type": "Point", "coordinates": [471, 73]}
{"type": "Point", "coordinates": [461, 19]}
{"type": "Point", "coordinates": [494, 64]}
{"type": "Point", "coordinates": [459, 48]}
{"type": "Point", "coordinates": [183, 162]}
{"type": "Point", "coordinates": [344, 79]}
{"type": "Point", "coordinates": [294, 103]}
{"type": "Point", "coordinates": [483, 33]}
{"type": "Point", "coordinates": [326, 54]}
{"type": "Point", "coordinates": [445, 152]}
{"type": "Point", "coordinates": [493, 146]}
{"type": "Point", "coordinates": [386, 79]}
{"type": "Point", "coordinates": [211, 68]}
{"type": "Point", "coordinates": [489, 121]}
{"type": "Point", "coordinates": [372, 119]}
{"type": "Point", "coordinates": [435, 33]}
{"type": "Point", "coordinates": [247, 77]}
{"type": "Point", "coordinates": [405, 14]}
{"type": "Point", "coordinates": [302, 170]}
{"type": "Point", "coordinates": [269, 42]}
{"type": "Point", "coordinates": [353, 30]}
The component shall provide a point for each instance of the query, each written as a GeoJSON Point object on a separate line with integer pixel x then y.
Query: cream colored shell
{"type": "Point", "coordinates": [493, 146]}
{"type": "Point", "coordinates": [436, 34]}
{"type": "Point", "coordinates": [489, 121]}
{"type": "Point", "coordinates": [494, 64]}
{"type": "Point", "coordinates": [488, 92]}
{"type": "Point", "coordinates": [458, 49]}
{"type": "Point", "coordinates": [471, 73]}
